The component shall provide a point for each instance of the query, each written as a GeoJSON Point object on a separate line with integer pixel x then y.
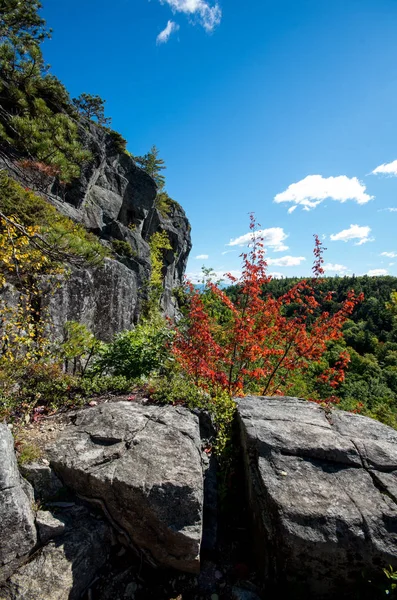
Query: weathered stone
{"type": "Point", "coordinates": [142, 464]}
{"type": "Point", "coordinates": [45, 483]}
{"type": "Point", "coordinates": [64, 568]}
{"type": "Point", "coordinates": [17, 530]}
{"type": "Point", "coordinates": [316, 488]}
{"type": "Point", "coordinates": [48, 526]}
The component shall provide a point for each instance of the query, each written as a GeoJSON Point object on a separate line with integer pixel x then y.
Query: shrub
{"type": "Point", "coordinates": [255, 342]}
{"type": "Point", "coordinates": [139, 352]}
{"type": "Point", "coordinates": [123, 248]}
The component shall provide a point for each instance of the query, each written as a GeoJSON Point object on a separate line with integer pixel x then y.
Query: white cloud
{"type": "Point", "coordinates": [276, 275]}
{"type": "Point", "coordinates": [202, 257]}
{"type": "Point", "coordinates": [355, 232]}
{"type": "Point", "coordinates": [335, 268]}
{"type": "Point", "coordinates": [391, 209]}
{"type": "Point", "coordinates": [286, 261]}
{"type": "Point", "coordinates": [164, 35]}
{"type": "Point", "coordinates": [273, 238]}
{"type": "Point", "coordinates": [208, 16]}
{"type": "Point", "coordinates": [377, 272]}
{"type": "Point", "coordinates": [389, 254]}
{"type": "Point", "coordinates": [314, 189]}
{"type": "Point", "coordinates": [227, 252]}
{"type": "Point", "coordinates": [391, 264]}
{"type": "Point", "coordinates": [386, 169]}
{"type": "Point", "coordinates": [292, 208]}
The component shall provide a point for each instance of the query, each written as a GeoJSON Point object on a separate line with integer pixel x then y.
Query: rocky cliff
{"type": "Point", "coordinates": [115, 200]}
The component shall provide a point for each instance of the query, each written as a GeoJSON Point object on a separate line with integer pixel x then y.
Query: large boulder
{"type": "Point", "coordinates": [142, 465]}
{"type": "Point", "coordinates": [323, 496]}
{"type": "Point", "coordinates": [17, 529]}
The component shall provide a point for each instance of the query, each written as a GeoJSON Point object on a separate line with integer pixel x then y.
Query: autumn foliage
{"type": "Point", "coordinates": [256, 343]}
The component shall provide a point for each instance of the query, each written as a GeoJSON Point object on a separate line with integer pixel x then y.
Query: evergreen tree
{"type": "Point", "coordinates": [21, 25]}
{"type": "Point", "coordinates": [92, 107]}
{"type": "Point", "coordinates": [35, 109]}
{"type": "Point", "coordinates": [153, 165]}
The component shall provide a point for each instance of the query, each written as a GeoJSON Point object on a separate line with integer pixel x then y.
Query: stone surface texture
{"type": "Point", "coordinates": [143, 466]}
{"type": "Point", "coordinates": [48, 526]}
{"type": "Point", "coordinates": [115, 200]}
{"type": "Point", "coordinates": [323, 493]}
{"type": "Point", "coordinates": [65, 567]}
{"type": "Point", "coordinates": [45, 483]}
{"type": "Point", "coordinates": [17, 529]}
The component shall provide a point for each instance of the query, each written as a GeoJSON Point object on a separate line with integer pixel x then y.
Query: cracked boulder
{"type": "Point", "coordinates": [17, 529]}
{"type": "Point", "coordinates": [142, 466]}
{"type": "Point", "coordinates": [322, 490]}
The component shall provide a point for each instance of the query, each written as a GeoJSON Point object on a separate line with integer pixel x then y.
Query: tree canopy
{"type": "Point", "coordinates": [92, 107]}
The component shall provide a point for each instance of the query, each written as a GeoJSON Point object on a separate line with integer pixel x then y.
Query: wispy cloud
{"type": "Point", "coordinates": [273, 238]}
{"type": "Point", "coordinates": [169, 29]}
{"type": "Point", "coordinates": [227, 252]}
{"type": "Point", "coordinates": [335, 268]}
{"type": "Point", "coordinates": [389, 254]}
{"type": "Point", "coordinates": [388, 209]}
{"type": "Point", "coordinates": [164, 35]}
{"type": "Point", "coordinates": [202, 257]}
{"type": "Point", "coordinates": [286, 261]}
{"type": "Point", "coordinates": [355, 232]}
{"type": "Point", "coordinates": [314, 189]}
{"type": "Point", "coordinates": [197, 276]}
{"type": "Point", "coordinates": [208, 16]}
{"type": "Point", "coordinates": [386, 169]}
{"type": "Point", "coordinates": [377, 272]}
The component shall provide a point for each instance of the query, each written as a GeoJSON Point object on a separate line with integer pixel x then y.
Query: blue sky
{"type": "Point", "coordinates": [277, 107]}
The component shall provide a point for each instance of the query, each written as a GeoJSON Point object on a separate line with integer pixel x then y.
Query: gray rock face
{"type": "Point", "coordinates": [17, 530]}
{"type": "Point", "coordinates": [105, 299]}
{"type": "Point", "coordinates": [115, 200]}
{"type": "Point", "coordinates": [323, 494]}
{"type": "Point", "coordinates": [45, 483]}
{"type": "Point", "coordinates": [64, 568]}
{"type": "Point", "coordinates": [142, 465]}
{"type": "Point", "coordinates": [48, 526]}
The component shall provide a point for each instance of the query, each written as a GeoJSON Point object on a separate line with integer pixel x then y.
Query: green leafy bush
{"type": "Point", "coordinates": [79, 346]}
{"type": "Point", "coordinates": [123, 248]}
{"type": "Point", "coordinates": [139, 352]}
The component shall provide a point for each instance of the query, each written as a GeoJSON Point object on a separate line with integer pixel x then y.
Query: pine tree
{"type": "Point", "coordinates": [35, 109]}
{"type": "Point", "coordinates": [92, 107]}
{"type": "Point", "coordinates": [153, 165]}
{"type": "Point", "coordinates": [21, 25]}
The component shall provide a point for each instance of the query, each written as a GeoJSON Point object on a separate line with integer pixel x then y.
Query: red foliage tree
{"type": "Point", "coordinates": [259, 341]}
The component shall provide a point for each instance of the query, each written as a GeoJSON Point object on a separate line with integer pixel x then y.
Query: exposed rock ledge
{"type": "Point", "coordinates": [323, 494]}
